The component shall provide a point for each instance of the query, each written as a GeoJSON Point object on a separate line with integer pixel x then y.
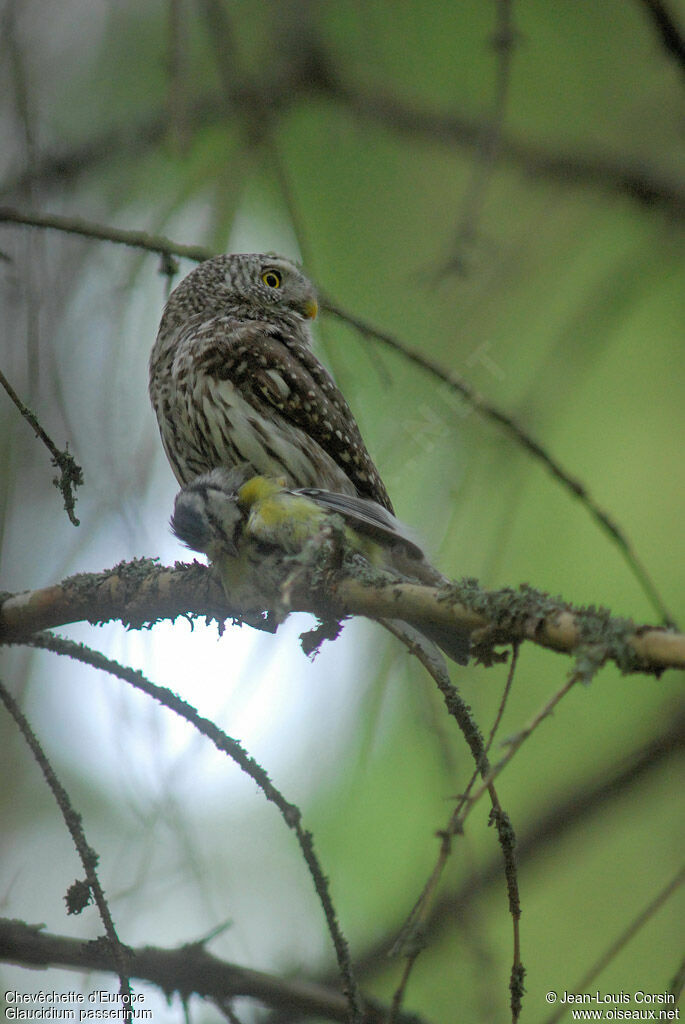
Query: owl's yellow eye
{"type": "Point", "coordinates": [272, 278]}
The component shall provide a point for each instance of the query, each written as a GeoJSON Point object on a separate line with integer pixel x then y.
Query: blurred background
{"type": "Point", "coordinates": [499, 187]}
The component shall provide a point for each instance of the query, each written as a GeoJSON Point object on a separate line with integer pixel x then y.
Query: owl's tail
{"type": "Point", "coordinates": [431, 641]}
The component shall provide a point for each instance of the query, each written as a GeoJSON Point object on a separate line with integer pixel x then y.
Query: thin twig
{"type": "Point", "coordinates": [455, 827]}
{"type": "Point", "coordinates": [71, 474]}
{"type": "Point", "coordinates": [491, 412]}
{"type": "Point", "coordinates": [488, 148]}
{"type": "Point", "coordinates": [669, 31]}
{"type": "Point", "coordinates": [411, 939]}
{"type": "Point", "coordinates": [290, 813]}
{"type": "Point", "coordinates": [412, 933]}
{"type": "Point", "coordinates": [624, 938]}
{"type": "Point", "coordinates": [398, 994]}
{"type": "Point", "coordinates": [504, 698]}
{"type": "Point", "coordinates": [87, 854]}
{"type": "Point", "coordinates": [588, 798]}
{"type": "Point", "coordinates": [105, 233]}
{"type": "Point", "coordinates": [516, 742]}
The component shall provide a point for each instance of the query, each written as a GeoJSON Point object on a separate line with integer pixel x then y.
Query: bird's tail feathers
{"type": "Point", "coordinates": [427, 647]}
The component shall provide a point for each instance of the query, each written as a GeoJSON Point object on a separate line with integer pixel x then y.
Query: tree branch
{"type": "Point", "coordinates": [71, 474]}
{"type": "Point", "coordinates": [667, 29]}
{"type": "Point", "coordinates": [601, 171]}
{"type": "Point", "coordinates": [141, 592]}
{"type": "Point", "coordinates": [188, 970]}
{"type": "Point", "coordinates": [552, 824]}
{"type": "Point", "coordinates": [79, 892]}
{"type": "Point", "coordinates": [487, 152]}
{"type": "Point", "coordinates": [510, 426]}
{"type": "Point", "coordinates": [632, 178]}
{"type": "Point", "coordinates": [623, 939]}
{"type": "Point", "coordinates": [290, 813]}
{"type": "Point", "coordinates": [105, 233]}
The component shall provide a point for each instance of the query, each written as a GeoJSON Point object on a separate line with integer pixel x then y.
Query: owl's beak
{"type": "Point", "coordinates": [310, 308]}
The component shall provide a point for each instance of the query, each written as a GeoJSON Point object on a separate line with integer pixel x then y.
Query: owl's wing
{"type": "Point", "coordinates": [268, 365]}
{"type": "Point", "coordinates": [367, 517]}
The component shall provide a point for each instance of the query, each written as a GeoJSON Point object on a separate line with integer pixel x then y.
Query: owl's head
{"type": "Point", "coordinates": [250, 285]}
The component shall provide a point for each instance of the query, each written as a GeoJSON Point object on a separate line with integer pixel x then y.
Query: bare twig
{"type": "Point", "coordinates": [664, 21]}
{"type": "Point", "coordinates": [516, 742]}
{"type": "Point", "coordinates": [410, 942]}
{"type": "Point", "coordinates": [105, 233]}
{"type": "Point", "coordinates": [503, 701]}
{"type": "Point", "coordinates": [589, 797]}
{"type": "Point", "coordinates": [487, 151]}
{"type": "Point", "coordinates": [290, 813]}
{"type": "Point", "coordinates": [411, 938]}
{"type": "Point", "coordinates": [629, 933]}
{"type": "Point", "coordinates": [71, 474]}
{"type": "Point", "coordinates": [507, 422]}
{"type": "Point", "coordinates": [116, 951]}
{"type": "Point", "coordinates": [190, 969]}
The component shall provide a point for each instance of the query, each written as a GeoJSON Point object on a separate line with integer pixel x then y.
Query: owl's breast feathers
{"type": "Point", "coordinates": [281, 380]}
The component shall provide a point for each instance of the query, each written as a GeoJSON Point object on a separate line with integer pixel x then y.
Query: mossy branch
{"type": "Point", "coordinates": [142, 592]}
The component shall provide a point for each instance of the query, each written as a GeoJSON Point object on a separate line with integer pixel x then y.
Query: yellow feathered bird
{"type": "Point", "coordinates": [246, 524]}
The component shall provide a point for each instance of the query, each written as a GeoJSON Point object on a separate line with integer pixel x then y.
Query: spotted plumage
{"type": "Point", "coordinates": [233, 380]}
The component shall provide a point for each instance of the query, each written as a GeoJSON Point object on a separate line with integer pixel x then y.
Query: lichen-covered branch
{"type": "Point", "coordinates": [141, 593]}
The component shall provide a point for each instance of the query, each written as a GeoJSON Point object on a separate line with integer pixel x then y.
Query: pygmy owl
{"type": "Point", "coordinates": [233, 380]}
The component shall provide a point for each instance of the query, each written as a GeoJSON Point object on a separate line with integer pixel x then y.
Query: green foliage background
{"type": "Point", "coordinates": [284, 125]}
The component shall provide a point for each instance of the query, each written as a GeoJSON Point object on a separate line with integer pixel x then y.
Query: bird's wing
{"type": "Point", "coordinates": [367, 517]}
{"type": "Point", "coordinates": [267, 365]}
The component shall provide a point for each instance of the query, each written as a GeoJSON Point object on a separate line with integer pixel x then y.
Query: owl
{"type": "Point", "coordinates": [233, 380]}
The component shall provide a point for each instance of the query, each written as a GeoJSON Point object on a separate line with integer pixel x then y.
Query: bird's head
{"type": "Point", "coordinates": [207, 516]}
{"type": "Point", "coordinates": [250, 285]}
